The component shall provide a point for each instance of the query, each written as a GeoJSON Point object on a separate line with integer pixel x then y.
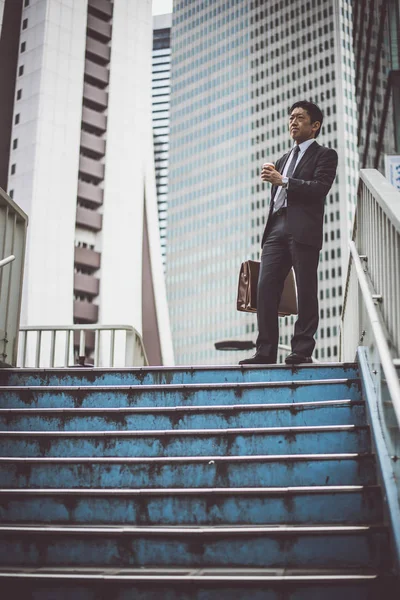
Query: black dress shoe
{"type": "Point", "coordinates": [297, 359]}
{"type": "Point", "coordinates": [258, 359]}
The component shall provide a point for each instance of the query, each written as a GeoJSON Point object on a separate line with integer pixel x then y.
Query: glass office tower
{"type": "Point", "coordinates": [376, 35]}
{"type": "Point", "coordinates": [237, 67]}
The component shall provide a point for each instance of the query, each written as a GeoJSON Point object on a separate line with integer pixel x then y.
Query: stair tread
{"type": "Point", "coordinates": [179, 386]}
{"type": "Point", "coordinates": [287, 574]}
{"type": "Point", "coordinates": [176, 409]}
{"type": "Point", "coordinates": [185, 432]}
{"type": "Point", "coordinates": [233, 367]}
{"type": "Point", "coordinates": [187, 459]}
{"type": "Point", "coordinates": [191, 530]}
{"type": "Point", "coordinates": [192, 491]}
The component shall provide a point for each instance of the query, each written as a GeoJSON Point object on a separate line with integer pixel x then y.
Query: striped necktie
{"type": "Point", "coordinates": [282, 193]}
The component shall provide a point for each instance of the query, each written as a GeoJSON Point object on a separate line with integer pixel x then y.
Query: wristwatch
{"type": "Point", "coordinates": [285, 181]}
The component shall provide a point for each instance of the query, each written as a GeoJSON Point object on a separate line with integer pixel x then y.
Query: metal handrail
{"type": "Point", "coordinates": [377, 235]}
{"type": "Point", "coordinates": [13, 227]}
{"type": "Point", "coordinates": [384, 192]}
{"type": "Point", "coordinates": [392, 379]}
{"type": "Point", "coordinates": [7, 260]}
{"type": "Point", "coordinates": [133, 340]}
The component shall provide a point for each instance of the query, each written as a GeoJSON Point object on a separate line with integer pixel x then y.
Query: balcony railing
{"type": "Point", "coordinates": [13, 224]}
{"type": "Point", "coordinates": [85, 217]}
{"type": "Point", "coordinates": [85, 257]}
{"type": "Point", "coordinates": [98, 28]}
{"type": "Point", "coordinates": [95, 96]}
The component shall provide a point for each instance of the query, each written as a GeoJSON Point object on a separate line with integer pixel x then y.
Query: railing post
{"type": "Point", "coordinates": [67, 346]}
{"type": "Point", "coordinates": [82, 351]}
{"type": "Point", "coordinates": [23, 349]}
{"type": "Point", "coordinates": [38, 348]}
{"type": "Point", "coordinates": [130, 340]}
{"type": "Point", "coordinates": [52, 348]}
{"type": "Point", "coordinates": [97, 348]}
{"type": "Point", "coordinates": [112, 347]}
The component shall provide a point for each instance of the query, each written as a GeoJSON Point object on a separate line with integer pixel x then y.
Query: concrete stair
{"type": "Point", "coordinates": [195, 483]}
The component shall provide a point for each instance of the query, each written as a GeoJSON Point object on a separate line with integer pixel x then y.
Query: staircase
{"type": "Point", "coordinates": [207, 483]}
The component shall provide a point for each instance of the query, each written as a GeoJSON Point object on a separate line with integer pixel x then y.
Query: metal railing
{"type": "Point", "coordinates": [84, 345]}
{"type": "Point", "coordinates": [371, 309]}
{"type": "Point", "coordinates": [13, 225]}
{"type": "Point", "coordinates": [370, 325]}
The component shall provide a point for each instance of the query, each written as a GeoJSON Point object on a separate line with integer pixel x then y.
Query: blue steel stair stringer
{"type": "Point", "coordinates": [190, 483]}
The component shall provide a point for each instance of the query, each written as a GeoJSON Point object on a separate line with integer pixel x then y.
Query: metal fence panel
{"type": "Point", "coordinates": [13, 226]}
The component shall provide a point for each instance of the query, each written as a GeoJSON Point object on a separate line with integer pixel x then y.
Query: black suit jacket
{"type": "Point", "coordinates": [308, 188]}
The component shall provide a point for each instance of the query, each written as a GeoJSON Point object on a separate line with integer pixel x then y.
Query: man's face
{"type": "Point", "coordinates": [300, 126]}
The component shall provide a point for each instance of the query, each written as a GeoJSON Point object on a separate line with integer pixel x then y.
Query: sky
{"type": "Point", "coordinates": [160, 7]}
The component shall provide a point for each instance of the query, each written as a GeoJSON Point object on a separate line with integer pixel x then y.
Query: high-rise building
{"type": "Point", "coordinates": [10, 24]}
{"type": "Point", "coordinates": [376, 35]}
{"type": "Point", "coordinates": [237, 67]}
{"type": "Point", "coordinates": [81, 166]}
{"type": "Point", "coordinates": [1, 13]}
{"type": "Point", "coordinates": [161, 90]}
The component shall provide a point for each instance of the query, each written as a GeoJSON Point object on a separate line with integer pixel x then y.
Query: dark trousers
{"type": "Point", "coordinates": [279, 253]}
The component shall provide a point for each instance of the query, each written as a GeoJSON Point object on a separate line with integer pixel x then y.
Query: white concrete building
{"type": "Point", "coordinates": [237, 67]}
{"type": "Point", "coordinates": [82, 167]}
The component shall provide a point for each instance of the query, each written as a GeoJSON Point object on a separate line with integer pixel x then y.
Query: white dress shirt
{"type": "Point", "coordinates": [303, 147]}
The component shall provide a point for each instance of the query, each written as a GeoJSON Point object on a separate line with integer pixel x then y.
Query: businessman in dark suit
{"type": "Point", "coordinates": [300, 180]}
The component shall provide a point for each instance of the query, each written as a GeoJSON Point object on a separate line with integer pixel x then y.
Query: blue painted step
{"type": "Point", "coordinates": [211, 471]}
{"type": "Point", "coordinates": [207, 584]}
{"type": "Point", "coordinates": [231, 442]}
{"type": "Point", "coordinates": [180, 395]}
{"type": "Point", "coordinates": [234, 506]}
{"type": "Point", "coordinates": [273, 547]}
{"type": "Point", "coordinates": [339, 412]}
{"type": "Point", "coordinates": [174, 375]}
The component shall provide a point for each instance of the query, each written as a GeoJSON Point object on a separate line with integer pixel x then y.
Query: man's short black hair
{"type": "Point", "coordinates": [313, 110]}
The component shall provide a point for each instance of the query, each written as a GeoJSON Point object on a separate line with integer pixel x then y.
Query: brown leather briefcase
{"type": "Point", "coordinates": [247, 290]}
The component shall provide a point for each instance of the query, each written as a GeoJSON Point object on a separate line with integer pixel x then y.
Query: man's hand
{"type": "Point", "coordinates": [270, 174]}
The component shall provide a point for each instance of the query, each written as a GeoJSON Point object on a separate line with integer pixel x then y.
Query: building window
{"type": "Point", "coordinates": [19, 94]}
{"type": "Point", "coordinates": [24, 23]}
{"type": "Point", "coordinates": [13, 169]}
{"type": "Point", "coordinates": [26, 3]}
{"type": "Point", "coordinates": [11, 193]}
{"type": "Point", "coordinates": [16, 120]}
{"type": "Point", "coordinates": [21, 70]}
{"type": "Point", "coordinates": [23, 47]}
{"type": "Point", "coordinates": [15, 144]}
